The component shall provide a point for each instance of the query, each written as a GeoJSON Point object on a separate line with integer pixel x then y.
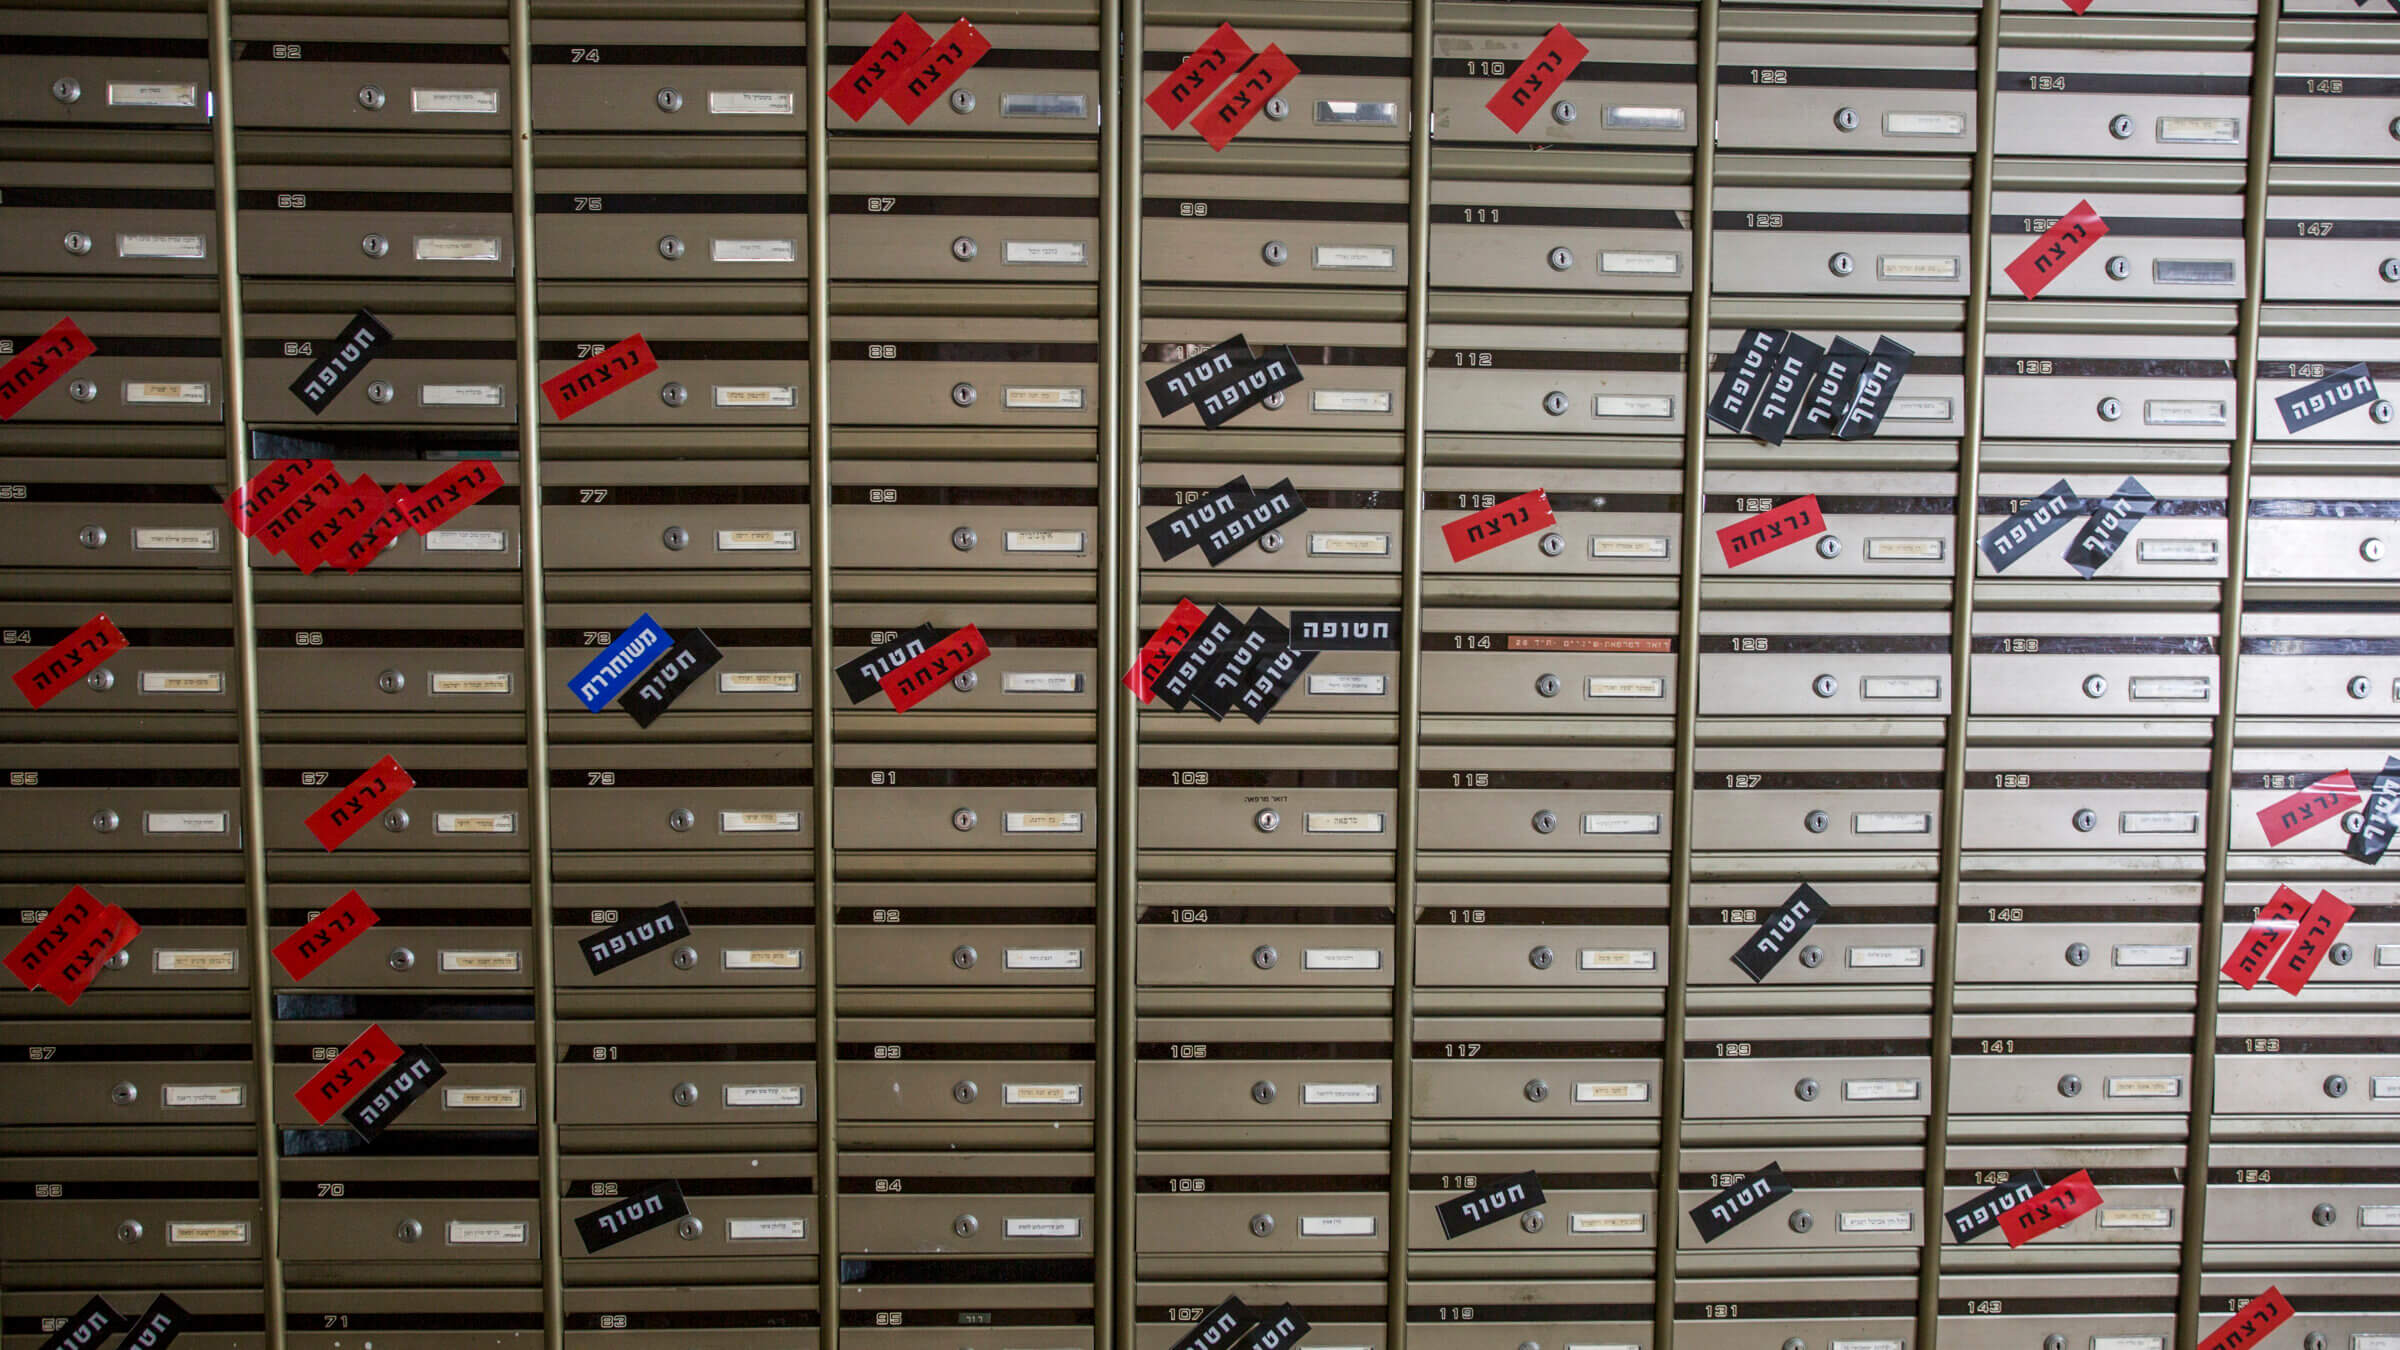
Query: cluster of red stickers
{"type": "Point", "coordinates": [1537, 77]}
{"type": "Point", "coordinates": [2288, 940]}
{"type": "Point", "coordinates": [1242, 80]}
{"type": "Point", "coordinates": [66, 950]}
{"type": "Point", "coordinates": [369, 795]}
{"type": "Point", "coordinates": [588, 381]}
{"type": "Point", "coordinates": [348, 1074]}
{"type": "Point", "coordinates": [40, 365]}
{"type": "Point", "coordinates": [302, 509]}
{"type": "Point", "coordinates": [314, 943]}
{"type": "Point", "coordinates": [1757, 536]}
{"type": "Point", "coordinates": [1497, 524]}
{"type": "Point", "coordinates": [906, 69]}
{"type": "Point", "coordinates": [911, 684]}
{"type": "Point", "coordinates": [2328, 798]}
{"type": "Point", "coordinates": [2068, 1199]}
{"type": "Point", "coordinates": [2061, 244]}
{"type": "Point", "coordinates": [71, 658]}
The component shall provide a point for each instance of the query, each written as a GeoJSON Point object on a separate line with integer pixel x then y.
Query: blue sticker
{"type": "Point", "coordinates": [598, 684]}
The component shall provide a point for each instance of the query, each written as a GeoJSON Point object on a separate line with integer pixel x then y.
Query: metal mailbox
{"type": "Point", "coordinates": [1283, 1071]}
{"type": "Point", "coordinates": [987, 1070]}
{"type": "Point", "coordinates": [193, 944]}
{"type": "Point", "coordinates": [75, 218]}
{"type": "Point", "coordinates": [147, 367]}
{"type": "Point", "coordinates": [125, 1214]}
{"type": "Point", "coordinates": [988, 936]}
{"type": "Point", "coordinates": [1844, 1199]}
{"type": "Point", "coordinates": [1260, 936]}
{"type": "Point", "coordinates": [949, 796]}
{"type": "Point", "coordinates": [1350, 1313]}
{"type": "Point", "coordinates": [1536, 1068]}
{"type": "Point", "coordinates": [2079, 1064]}
{"type": "Point", "coordinates": [1037, 80]}
{"type": "Point", "coordinates": [2263, 777]}
{"type": "Point", "coordinates": [1595, 1200]}
{"type": "Point", "coordinates": [676, 516]}
{"type": "Point", "coordinates": [1481, 1313]}
{"type": "Point", "coordinates": [1226, 797]}
{"type": "Point", "coordinates": [223, 1319]}
{"type": "Point", "coordinates": [1812, 1068]}
{"type": "Point", "coordinates": [438, 370]}
{"type": "Point", "coordinates": [738, 76]}
{"type": "Point", "coordinates": [82, 66]}
{"type": "Point", "coordinates": [2331, 248]}
{"type": "Point", "coordinates": [466, 798]}
{"type": "Point", "coordinates": [966, 515]}
{"type": "Point", "coordinates": [121, 798]}
{"type": "Point", "coordinates": [1490, 231]}
{"type": "Point", "coordinates": [1631, 91]}
{"type": "Point", "coordinates": [983, 1204]}
{"type": "Point", "coordinates": [1545, 798]}
{"type": "Point", "coordinates": [2140, 1185]}
{"type": "Point", "coordinates": [1841, 241]}
{"type": "Point", "coordinates": [2183, 246]}
{"type": "Point", "coordinates": [180, 660]}
{"type": "Point", "coordinates": [2344, 1309]}
{"type": "Point", "coordinates": [696, 1075]}
{"type": "Point", "coordinates": [916, 370]}
{"type": "Point", "coordinates": [2287, 364]}
{"type": "Point", "coordinates": [1555, 380]}
{"type": "Point", "coordinates": [148, 515]}
{"type": "Point", "coordinates": [2323, 529]}
{"type": "Point", "coordinates": [1044, 658]}
{"type": "Point", "coordinates": [2153, 800]}
{"type": "Point", "coordinates": [1801, 663]}
{"type": "Point", "coordinates": [481, 538]}
{"type": "Point", "coordinates": [2181, 539]}
{"type": "Point", "coordinates": [745, 936]}
{"type": "Point", "coordinates": [990, 223]}
{"type": "Point", "coordinates": [616, 222]}
{"type": "Point", "coordinates": [612, 797]}
{"type": "Point", "coordinates": [390, 659]}
{"type": "Point", "coordinates": [2308, 1064]}
{"type": "Point", "coordinates": [1582, 935]}
{"type": "Point", "coordinates": [1353, 374]}
{"type": "Point", "coordinates": [741, 369]}
{"type": "Point", "coordinates": [684, 1317]}
{"type": "Point", "coordinates": [164, 1077]}
{"type": "Point", "coordinates": [2104, 933]}
{"type": "Point", "coordinates": [2366, 951]}
{"type": "Point", "coordinates": [484, 1040]}
{"type": "Point", "coordinates": [408, 1213]}
{"type": "Point", "coordinates": [2334, 100]}
{"type": "Point", "coordinates": [1351, 524]}
{"type": "Point", "coordinates": [765, 667]}
{"type": "Point", "coordinates": [2344, 1193]}
{"type": "Point", "coordinates": [2116, 103]}
{"type": "Point", "coordinates": [753, 1216]}
{"type": "Point", "coordinates": [1543, 662]}
{"type": "Point", "coordinates": [1876, 524]}
{"type": "Point", "coordinates": [1353, 84]}
{"type": "Point", "coordinates": [1873, 798]}
{"type": "Point", "coordinates": [1274, 227]}
{"type": "Point", "coordinates": [2120, 1310]}
{"type": "Point", "coordinates": [1876, 933]}
{"type": "Point", "coordinates": [463, 1316]}
{"type": "Point", "coordinates": [354, 73]}
{"type": "Point", "coordinates": [2038, 664]}
{"type": "Point", "coordinates": [2109, 387]}
{"type": "Point", "coordinates": [385, 221]}
{"type": "Point", "coordinates": [1905, 87]}
{"type": "Point", "coordinates": [1356, 669]}
{"type": "Point", "coordinates": [1729, 1313]}
{"type": "Point", "coordinates": [975, 1297]}
{"type": "Point", "coordinates": [435, 937]}
{"type": "Point", "coordinates": [1272, 1203]}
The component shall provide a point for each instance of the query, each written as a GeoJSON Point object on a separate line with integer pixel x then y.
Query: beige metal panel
{"type": "Point", "coordinates": [671, 224]}
{"type": "Point", "coordinates": [1262, 936]}
{"type": "Point", "coordinates": [1320, 799]}
{"type": "Point", "coordinates": [2337, 1193]}
{"type": "Point", "coordinates": [679, 515]}
{"type": "Point", "coordinates": [1594, 1200]}
{"type": "Point", "coordinates": [154, 1074]}
{"type": "Point", "coordinates": [381, 221]}
{"type": "Point", "coordinates": [1232, 229]}
{"type": "Point", "coordinates": [1555, 380]}
{"type": "Point", "coordinates": [1351, 372]}
{"type": "Point", "coordinates": [484, 1042]}
{"type": "Point", "coordinates": [744, 936]}
{"type": "Point", "coordinates": [461, 1318]}
{"type": "Point", "coordinates": [353, 73]}
{"type": "Point", "coordinates": [428, 937]}
{"type": "Point", "coordinates": [2182, 538]}
{"type": "Point", "coordinates": [1344, 1313]}
{"type": "Point", "coordinates": [466, 798]}
{"type": "Point", "coordinates": [713, 370]}
{"type": "Point", "coordinates": [1930, 401]}
{"type": "Point", "coordinates": [994, 1205]}
{"type": "Point", "coordinates": [2082, 933]}
{"type": "Point", "coordinates": [70, 64]}
{"type": "Point", "coordinates": [144, 514]}
{"type": "Point", "coordinates": [1480, 1313]}
{"type": "Point", "coordinates": [989, 935]}
{"type": "Point", "coordinates": [920, 371]}
{"type": "Point", "coordinates": [1861, 798]}
{"type": "Point", "coordinates": [1038, 80]}
{"type": "Point", "coordinates": [1814, 1068]}
{"type": "Point", "coordinates": [1265, 1070]}
{"type": "Point", "coordinates": [224, 1319]}
{"type": "Point", "coordinates": [700, 1074]}
{"type": "Point", "coordinates": [974, 516]}
{"type": "Point", "coordinates": [2343, 1308]}
{"type": "Point", "coordinates": [957, 1070]}
{"type": "Point", "coordinates": [685, 1317]}
{"type": "Point", "coordinates": [2030, 664]}
{"type": "Point", "coordinates": [2286, 364]}
{"type": "Point", "coordinates": [2140, 1185]}
{"type": "Point", "coordinates": [1727, 1313]}
{"type": "Point", "coordinates": [2120, 103]}
{"type": "Point", "coordinates": [995, 224]}
{"type": "Point", "coordinates": [2365, 952]}
{"type": "Point", "coordinates": [180, 658]}
{"type": "Point", "coordinates": [1628, 92]}
{"type": "Point", "coordinates": [1498, 233]}
{"type": "Point", "coordinates": [1268, 1204]}
{"type": "Point", "coordinates": [1043, 656]}
{"type": "Point", "coordinates": [2118, 1309]}
{"type": "Point", "coordinates": [87, 219]}
{"type": "Point", "coordinates": [439, 369]}
{"type": "Point", "coordinates": [2262, 777]}
{"type": "Point", "coordinates": [1353, 86]}
{"type": "Point", "coordinates": [2152, 800]}
{"type": "Point", "coordinates": [1536, 1069]}
{"type": "Point", "coordinates": [1847, 1199]}
{"type": "Point", "coordinates": [402, 1215]}
{"type": "Point", "coordinates": [670, 74]}
{"type": "Point", "coordinates": [765, 667]}
{"type": "Point", "coordinates": [2109, 387]}
{"type": "Point", "coordinates": [147, 1214]}
{"type": "Point", "coordinates": [656, 796]}
{"type": "Point", "coordinates": [146, 367]}
{"type": "Point", "coordinates": [899, 1316]}
{"type": "Point", "coordinates": [481, 538]}
{"type": "Point", "coordinates": [2308, 1064]}
{"type": "Point", "coordinates": [1906, 92]}
{"type": "Point", "coordinates": [752, 1216]}
{"type": "Point", "coordinates": [2159, 246]}
{"type": "Point", "coordinates": [1816, 663]}
{"type": "Point", "coordinates": [1840, 241]}
{"type": "Point", "coordinates": [1554, 663]}
{"type": "Point", "coordinates": [2324, 529]}
{"type": "Point", "coordinates": [1012, 797]}
{"type": "Point", "coordinates": [106, 799]}
{"type": "Point", "coordinates": [1878, 933]}
{"type": "Point", "coordinates": [1544, 798]}
{"type": "Point", "coordinates": [2072, 1068]}
{"type": "Point", "coordinates": [386, 659]}
{"type": "Point", "coordinates": [2332, 248]}
{"type": "Point", "coordinates": [2336, 104]}
{"type": "Point", "coordinates": [1551, 935]}
{"type": "Point", "coordinates": [1351, 525]}
{"type": "Point", "coordinates": [191, 943]}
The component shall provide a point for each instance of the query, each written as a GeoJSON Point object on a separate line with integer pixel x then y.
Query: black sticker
{"type": "Point", "coordinates": [1218, 1329]}
{"type": "Point", "coordinates": [157, 1327]}
{"type": "Point", "coordinates": [1273, 372]}
{"type": "Point", "coordinates": [328, 375]}
{"type": "Point", "coordinates": [651, 1207]}
{"type": "Point", "coordinates": [2332, 396]}
{"type": "Point", "coordinates": [1273, 681]}
{"type": "Point", "coordinates": [1831, 387]}
{"type": "Point", "coordinates": [1982, 1214]}
{"type": "Point", "coordinates": [2010, 540]}
{"type": "Point", "coordinates": [670, 677]}
{"type": "Point", "coordinates": [93, 1323]}
{"type": "Point", "coordinates": [1787, 385]}
{"type": "Point", "coordinates": [1217, 632]}
{"type": "Point", "coordinates": [1745, 377]}
{"type": "Point", "coordinates": [2110, 522]}
{"type": "Point", "coordinates": [402, 1084]}
{"type": "Point", "coordinates": [862, 675]}
{"type": "Point", "coordinates": [1278, 1330]}
{"type": "Point", "coordinates": [2382, 815]}
{"type": "Point", "coordinates": [1223, 679]}
{"type": "Point", "coordinates": [637, 934]}
{"type": "Point", "coordinates": [1176, 386]}
{"type": "Point", "coordinates": [1878, 381]}
{"type": "Point", "coordinates": [1743, 1200]}
{"type": "Point", "coordinates": [1261, 512]}
{"type": "Point", "coordinates": [1773, 941]}
{"type": "Point", "coordinates": [1346, 630]}
{"type": "Point", "coordinates": [1179, 531]}
{"type": "Point", "coordinates": [1463, 1214]}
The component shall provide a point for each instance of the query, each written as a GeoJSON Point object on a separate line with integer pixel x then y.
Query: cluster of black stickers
{"type": "Point", "coordinates": [2035, 521]}
{"type": "Point", "coordinates": [93, 1323]}
{"type": "Point", "coordinates": [2107, 527]}
{"type": "Point", "coordinates": [345, 356]}
{"type": "Point", "coordinates": [2338, 393]}
{"type": "Point", "coordinates": [1217, 632]}
{"type": "Point", "coordinates": [1220, 1328]}
{"type": "Point", "coordinates": [2107, 523]}
{"type": "Point", "coordinates": [654, 1206]}
{"type": "Point", "coordinates": [634, 935]}
{"type": "Point", "coordinates": [1780, 386]}
{"type": "Point", "coordinates": [1224, 381]}
{"type": "Point", "coordinates": [1982, 1214]}
{"type": "Point", "coordinates": [401, 1085]}
{"type": "Point", "coordinates": [157, 1327]}
{"type": "Point", "coordinates": [1766, 948]}
{"type": "Point", "coordinates": [1488, 1204]}
{"type": "Point", "coordinates": [862, 675]}
{"type": "Point", "coordinates": [2380, 817]}
{"type": "Point", "coordinates": [1248, 665]}
{"type": "Point", "coordinates": [1179, 531]}
{"type": "Point", "coordinates": [1740, 1202]}
{"type": "Point", "coordinates": [1224, 520]}
{"type": "Point", "coordinates": [670, 677]}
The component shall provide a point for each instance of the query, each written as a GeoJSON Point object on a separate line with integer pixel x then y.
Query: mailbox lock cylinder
{"type": "Point", "coordinates": [408, 1230]}
{"type": "Point", "coordinates": [963, 957]}
{"type": "Point", "coordinates": [130, 1231]}
{"type": "Point", "coordinates": [963, 1091]}
{"type": "Point", "coordinates": [1806, 1089]}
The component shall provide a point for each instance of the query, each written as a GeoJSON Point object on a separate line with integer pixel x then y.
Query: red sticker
{"type": "Point", "coordinates": [2070, 1197]}
{"type": "Point", "coordinates": [255, 501]}
{"type": "Point", "coordinates": [363, 540]}
{"type": "Point", "coordinates": [361, 1062]}
{"type": "Point", "coordinates": [358, 803]}
{"type": "Point", "coordinates": [76, 655]}
{"type": "Point", "coordinates": [2256, 1321]}
{"type": "Point", "coordinates": [2321, 801]}
{"type": "Point", "coordinates": [1532, 83]}
{"type": "Point", "coordinates": [1259, 79]}
{"type": "Point", "coordinates": [1160, 651]}
{"type": "Point", "coordinates": [1207, 67]}
{"type": "Point", "coordinates": [41, 363]}
{"type": "Point", "coordinates": [274, 527]}
{"type": "Point", "coordinates": [52, 936]}
{"type": "Point", "coordinates": [2276, 920]}
{"type": "Point", "coordinates": [921, 81]}
{"type": "Point", "coordinates": [1496, 525]}
{"type": "Point", "coordinates": [71, 972]}
{"type": "Point", "coordinates": [586, 383]}
{"type": "Point", "coordinates": [862, 84]}
{"type": "Point", "coordinates": [2310, 941]}
{"type": "Point", "coordinates": [315, 942]}
{"type": "Point", "coordinates": [2079, 6]}
{"type": "Point", "coordinates": [431, 506]}
{"type": "Point", "coordinates": [311, 541]}
{"type": "Point", "coordinates": [915, 682]}
{"type": "Point", "coordinates": [2060, 245]}
{"type": "Point", "coordinates": [1748, 540]}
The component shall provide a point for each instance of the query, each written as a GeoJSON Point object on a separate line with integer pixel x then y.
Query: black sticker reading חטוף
{"type": "Point", "coordinates": [654, 1206]}
{"type": "Point", "coordinates": [862, 675]}
{"type": "Point", "coordinates": [1787, 387]}
{"type": "Point", "coordinates": [1740, 1202]}
{"type": "Point", "coordinates": [1217, 632]}
{"type": "Point", "coordinates": [1180, 530]}
{"type": "Point", "coordinates": [1878, 382]}
{"type": "Point", "coordinates": [670, 677]}
{"type": "Point", "coordinates": [2108, 526]}
{"type": "Point", "coordinates": [1488, 1204]}
{"type": "Point", "coordinates": [1175, 387]}
{"type": "Point", "coordinates": [1762, 950]}
{"type": "Point", "coordinates": [1831, 386]}
{"type": "Point", "coordinates": [93, 1323]}
{"type": "Point", "coordinates": [1745, 377]}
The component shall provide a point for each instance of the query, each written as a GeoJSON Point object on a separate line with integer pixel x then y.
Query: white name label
{"type": "Point", "coordinates": [182, 1096]}
{"type": "Point", "coordinates": [1876, 1221]}
{"type": "Point", "coordinates": [1924, 124]}
{"type": "Point", "coordinates": [1625, 686]}
{"type": "Point", "coordinates": [1616, 958]}
{"type": "Point", "coordinates": [1345, 686]}
{"type": "Point", "coordinates": [1610, 822]}
{"type": "Point", "coordinates": [1340, 1094]}
{"type": "Point", "coordinates": [1042, 958]}
{"type": "Point", "coordinates": [185, 822]}
{"type": "Point", "coordinates": [753, 250]}
{"type": "Point", "coordinates": [2173, 687]}
{"type": "Point", "coordinates": [480, 102]}
{"type": "Point", "coordinates": [1041, 1228]}
{"type": "Point", "coordinates": [1041, 682]}
{"type": "Point", "coordinates": [1901, 686]}
{"type": "Point", "coordinates": [756, 395]}
{"type": "Point", "coordinates": [183, 682]}
{"type": "Point", "coordinates": [786, 1095]}
{"type": "Point", "coordinates": [203, 960]}
{"type": "Point", "coordinates": [1629, 546]}
{"type": "Point", "coordinates": [1354, 257]}
{"type": "Point", "coordinates": [1341, 958]}
{"type": "Point", "coordinates": [2137, 954]}
{"type": "Point", "coordinates": [2184, 412]}
{"type": "Point", "coordinates": [1336, 543]}
{"type": "Point", "coordinates": [172, 539]}
{"type": "Point", "coordinates": [466, 541]}
{"type": "Point", "coordinates": [1350, 400]}
{"type": "Point", "coordinates": [162, 246]}
{"type": "Point", "coordinates": [766, 1230]}
{"type": "Point", "coordinates": [1596, 1094]}
{"type": "Point", "coordinates": [2137, 1218]}
{"type": "Point", "coordinates": [474, 822]}
{"type": "Point", "coordinates": [445, 682]}
{"type": "Point", "coordinates": [1886, 958]}
{"type": "Point", "coordinates": [757, 540]}
{"type": "Point", "coordinates": [460, 396]}
{"type": "Point", "coordinates": [1041, 822]}
{"type": "Point", "coordinates": [762, 958]}
{"type": "Point", "coordinates": [2143, 1087]}
{"type": "Point", "coordinates": [171, 393]}
{"type": "Point", "coordinates": [1337, 1225]}
{"type": "Point", "coordinates": [1607, 1223]}
{"type": "Point", "coordinates": [751, 102]}
{"type": "Point", "coordinates": [1042, 541]}
{"type": "Point", "coordinates": [2176, 550]}
{"type": "Point", "coordinates": [2158, 822]}
{"type": "Point", "coordinates": [1043, 253]}
{"type": "Point", "coordinates": [478, 1233]}
{"type": "Point", "coordinates": [2200, 130]}
{"type": "Point", "coordinates": [1043, 396]}
{"type": "Point", "coordinates": [1647, 407]}
{"type": "Point", "coordinates": [494, 962]}
{"type": "Point", "coordinates": [758, 822]}
{"type": "Point", "coordinates": [1881, 1089]}
{"type": "Point", "coordinates": [1344, 822]}
{"type": "Point", "coordinates": [447, 248]}
{"type": "Point", "coordinates": [1891, 822]}
{"type": "Point", "coordinates": [483, 1098]}
{"type": "Point", "coordinates": [1618, 263]}
{"type": "Point", "coordinates": [135, 94]}
{"type": "Point", "coordinates": [1041, 1094]}
{"type": "Point", "coordinates": [758, 682]}
{"type": "Point", "coordinates": [188, 1233]}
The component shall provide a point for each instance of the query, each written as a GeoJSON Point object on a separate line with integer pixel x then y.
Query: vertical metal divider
{"type": "Point", "coordinates": [1118, 609]}
{"type": "Point", "coordinates": [537, 666]}
{"type": "Point", "coordinates": [245, 690]}
{"type": "Point", "coordinates": [820, 664]}
{"type": "Point", "coordinates": [1122, 515]}
{"type": "Point", "coordinates": [2229, 657]}
{"type": "Point", "coordinates": [1687, 681]}
{"type": "Point", "coordinates": [1962, 630]}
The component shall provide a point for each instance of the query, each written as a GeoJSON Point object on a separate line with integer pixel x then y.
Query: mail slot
{"type": "Point", "coordinates": [1877, 798]}
{"type": "Point", "coordinates": [2289, 364]}
{"type": "Point", "coordinates": [121, 798]}
{"type": "Point", "coordinates": [2339, 1192]}
{"type": "Point", "coordinates": [738, 369]}
{"type": "Point", "coordinates": [952, 796]}
{"type": "Point", "coordinates": [1634, 88]}
{"type": "Point", "coordinates": [667, 74]}
{"type": "Point", "coordinates": [987, 935]}
{"type": "Point", "coordinates": [77, 66]}
{"type": "Point", "coordinates": [1874, 932]}
{"type": "Point", "coordinates": [895, 1308]}
{"type": "Point", "coordinates": [466, 798]}
{"type": "Point", "coordinates": [391, 659]}
{"type": "Point", "coordinates": [2366, 951]}
{"type": "Point", "coordinates": [1481, 1313]}
{"type": "Point", "coordinates": [2333, 100]}
{"type": "Point", "coordinates": [2185, 246]}
{"type": "Point", "coordinates": [1348, 1315]}
{"type": "Point", "coordinates": [981, 1204]}
{"type": "Point", "coordinates": [167, 1077]}
{"type": "Point", "coordinates": [1264, 936]}
{"type": "Point", "coordinates": [1353, 83]}
{"type": "Point", "coordinates": [1354, 669]}
{"type": "Point", "coordinates": [147, 515]}
{"type": "Point", "coordinates": [1582, 935]}
{"type": "Point", "coordinates": [620, 221]}
{"type": "Point", "coordinates": [1314, 1070]}
{"type": "Point", "coordinates": [1261, 220]}
{"type": "Point", "coordinates": [2037, 664]}
{"type": "Point", "coordinates": [484, 1041]}
{"type": "Point", "coordinates": [180, 660]}
{"type": "Point", "coordinates": [1841, 241]}
{"type": "Point", "coordinates": [752, 1218]}
{"type": "Point", "coordinates": [145, 367]}
{"type": "Point", "coordinates": [2079, 1064]}
{"type": "Point", "coordinates": [2308, 1064]}
{"type": "Point", "coordinates": [353, 73]}
{"type": "Point", "coordinates": [419, 221]}
{"type": "Point", "coordinates": [676, 516]}
{"type": "Point", "coordinates": [222, 1319]}
{"type": "Point", "coordinates": [970, 515]}
{"type": "Point", "coordinates": [746, 936]}
{"type": "Point", "coordinates": [1545, 798]}
{"type": "Point", "coordinates": [998, 222]}
{"type": "Point", "coordinates": [1595, 1200]}
{"type": "Point", "coordinates": [1845, 1200]}
{"type": "Point", "coordinates": [72, 218]}
{"type": "Point", "coordinates": [1875, 83]}
{"type": "Point", "coordinates": [1323, 798]}
{"type": "Point", "coordinates": [463, 1315]}
{"type": "Point", "coordinates": [1043, 657]}
{"type": "Point", "coordinates": [437, 370]}
{"type": "Point", "coordinates": [59, 1213]}
{"type": "Point", "coordinates": [409, 1213]}
{"type": "Point", "coordinates": [2152, 800]}
{"type": "Point", "coordinates": [2140, 1185]}
{"type": "Point", "coordinates": [2264, 778]}
{"type": "Point", "coordinates": [1352, 374]}
{"type": "Point", "coordinates": [434, 937]}
{"type": "Point", "coordinates": [2345, 1309]}
{"type": "Point", "coordinates": [1824, 1308]}
{"type": "Point", "coordinates": [2098, 933]}
{"type": "Point", "coordinates": [191, 957]}
{"type": "Point", "coordinates": [616, 797]}
{"type": "Point", "coordinates": [2110, 387]}
{"type": "Point", "coordinates": [684, 1317]}
{"type": "Point", "coordinates": [478, 538]}
{"type": "Point", "coordinates": [2119, 1310]}
{"type": "Point", "coordinates": [1037, 80]}
{"type": "Point", "coordinates": [988, 1070]}
{"type": "Point", "coordinates": [1813, 1068]}
{"type": "Point", "coordinates": [1350, 521]}
{"type": "Point", "coordinates": [2181, 537]}
{"type": "Point", "coordinates": [1274, 1203]}
{"type": "Point", "coordinates": [2331, 247]}
{"type": "Point", "coordinates": [1557, 379]}
{"type": "Point", "coordinates": [764, 669]}
{"type": "Point", "coordinates": [2323, 529]}
{"type": "Point", "coordinates": [1492, 231]}
{"type": "Point", "coordinates": [2116, 103]}
{"type": "Point", "coordinates": [1876, 524]}
{"type": "Point", "coordinates": [913, 370]}
{"type": "Point", "coordinates": [741, 1078]}
{"type": "Point", "coordinates": [1542, 662]}
{"type": "Point", "coordinates": [1536, 1068]}
{"type": "Point", "coordinates": [1782, 662]}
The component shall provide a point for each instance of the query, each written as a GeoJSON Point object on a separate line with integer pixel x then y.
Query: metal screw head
{"type": "Point", "coordinates": [1267, 820]}
{"type": "Point", "coordinates": [676, 538]}
{"type": "Point", "coordinates": [1825, 686]}
{"type": "Point", "coordinates": [1812, 956]}
{"type": "Point", "coordinates": [1546, 685]}
{"type": "Point", "coordinates": [2111, 409]}
{"type": "Point", "coordinates": [963, 394]}
{"type": "Point", "coordinates": [1555, 403]}
{"type": "Point", "coordinates": [2121, 127]}
{"type": "Point", "coordinates": [1261, 1225]}
{"type": "Point", "coordinates": [962, 100]}
{"type": "Point", "coordinates": [82, 391]}
{"type": "Point", "coordinates": [2087, 820]}
{"type": "Point", "coordinates": [77, 242]}
{"type": "Point", "coordinates": [1561, 259]}
{"type": "Point", "coordinates": [100, 680]}
{"type": "Point", "coordinates": [1536, 1090]}
{"type": "Point", "coordinates": [370, 98]}
{"type": "Point", "coordinates": [963, 539]}
{"type": "Point", "coordinates": [391, 681]}
{"type": "Point", "coordinates": [1845, 119]}
{"type": "Point", "coordinates": [673, 394]}
{"type": "Point", "coordinates": [1553, 545]}
{"type": "Point", "coordinates": [2079, 953]}
{"type": "Point", "coordinates": [1278, 108]}
{"type": "Point", "coordinates": [2390, 269]}
{"type": "Point", "coordinates": [1563, 113]}
{"type": "Point", "coordinates": [130, 1231]}
{"type": "Point", "coordinates": [2380, 411]}
{"type": "Point", "coordinates": [685, 958]}
{"type": "Point", "coordinates": [2336, 1085]}
{"type": "Point", "coordinates": [2323, 1216]}
{"type": "Point", "coordinates": [408, 1230]}
{"type": "Point", "coordinates": [2120, 267]}
{"type": "Point", "coordinates": [1262, 1092]}
{"type": "Point", "coordinates": [964, 1225]}
{"type": "Point", "coordinates": [963, 957]}
{"type": "Point", "coordinates": [670, 247]}
{"type": "Point", "coordinates": [1263, 957]}
{"type": "Point", "coordinates": [380, 391]}
{"type": "Point", "coordinates": [1531, 1221]}
{"type": "Point", "coordinates": [401, 958]}
{"type": "Point", "coordinates": [91, 536]}
{"type": "Point", "coordinates": [1544, 821]}
{"type": "Point", "coordinates": [1829, 546]}
{"type": "Point", "coordinates": [2341, 955]}
{"type": "Point", "coordinates": [670, 100]}
{"type": "Point", "coordinates": [686, 1094]}
{"type": "Point", "coordinates": [124, 1094]}
{"type": "Point", "coordinates": [1806, 1089]}
{"type": "Point", "coordinates": [105, 821]}
{"type": "Point", "coordinates": [689, 1228]}
{"type": "Point", "coordinates": [2070, 1085]}
{"type": "Point", "coordinates": [2095, 686]}
{"type": "Point", "coordinates": [1541, 957]}
{"type": "Point", "coordinates": [963, 1091]}
{"type": "Point", "coordinates": [963, 819]}
{"type": "Point", "coordinates": [66, 89]}
{"type": "Point", "coordinates": [965, 681]}
{"type": "Point", "coordinates": [963, 249]}
{"type": "Point", "coordinates": [1841, 264]}
{"type": "Point", "coordinates": [1272, 401]}
{"type": "Point", "coordinates": [1276, 253]}
{"type": "Point", "coordinates": [1801, 1221]}
{"type": "Point", "coordinates": [1817, 822]}
{"type": "Point", "coordinates": [681, 819]}
{"type": "Point", "coordinates": [1272, 541]}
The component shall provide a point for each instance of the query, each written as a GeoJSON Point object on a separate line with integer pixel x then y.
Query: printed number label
{"type": "Point", "coordinates": [1763, 220]}
{"type": "Point", "coordinates": [589, 349]}
{"type": "Point", "coordinates": [582, 56]}
{"type": "Point", "coordinates": [591, 496]}
{"type": "Point", "coordinates": [883, 496]}
{"type": "Point", "coordinates": [883, 351]}
{"type": "Point", "coordinates": [604, 916]}
{"type": "Point", "coordinates": [2012, 780]}
{"type": "Point", "coordinates": [2042, 367]}
{"type": "Point", "coordinates": [591, 203]}
{"type": "Point", "coordinates": [878, 206]}
{"type": "Point", "coordinates": [1770, 76]}
{"type": "Point", "coordinates": [285, 51]}
{"type": "Point", "coordinates": [1191, 210]}
{"type": "Point", "coordinates": [599, 778]}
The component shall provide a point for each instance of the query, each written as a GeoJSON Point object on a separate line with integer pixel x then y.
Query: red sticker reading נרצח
{"type": "Point", "coordinates": [314, 943]}
{"type": "Point", "coordinates": [2323, 800]}
{"type": "Point", "coordinates": [351, 808]}
{"type": "Point", "coordinates": [1210, 64]}
{"type": "Point", "coordinates": [2059, 245]}
{"type": "Point", "coordinates": [2276, 920]}
{"type": "Point", "coordinates": [71, 658]}
{"type": "Point", "coordinates": [1537, 77]}
{"type": "Point", "coordinates": [40, 365]}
